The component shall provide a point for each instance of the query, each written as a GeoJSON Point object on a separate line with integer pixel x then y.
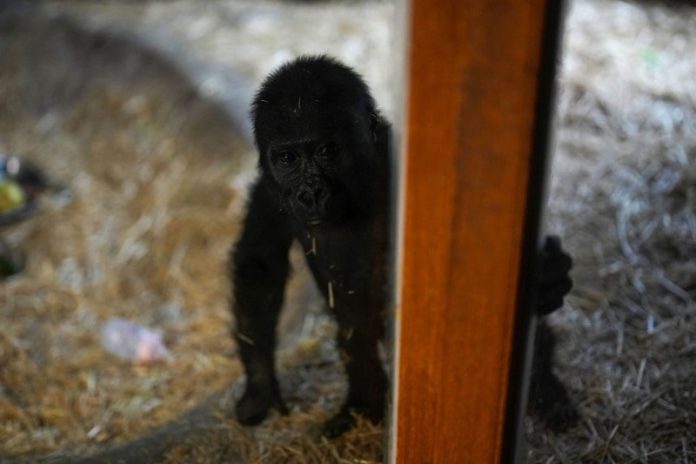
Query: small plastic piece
{"type": "Point", "coordinates": [132, 342]}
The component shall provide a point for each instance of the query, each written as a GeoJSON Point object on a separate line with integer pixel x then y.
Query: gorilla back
{"type": "Point", "coordinates": [324, 181]}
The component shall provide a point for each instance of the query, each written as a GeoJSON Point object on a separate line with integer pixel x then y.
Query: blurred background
{"type": "Point", "coordinates": [114, 295]}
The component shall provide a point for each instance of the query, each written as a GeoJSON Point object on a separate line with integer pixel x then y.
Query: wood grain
{"type": "Point", "coordinates": [470, 124]}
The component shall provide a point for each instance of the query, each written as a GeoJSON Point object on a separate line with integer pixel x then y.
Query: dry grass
{"type": "Point", "coordinates": [145, 237]}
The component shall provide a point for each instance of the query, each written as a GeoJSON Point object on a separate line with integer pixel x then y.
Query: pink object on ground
{"type": "Point", "coordinates": [132, 342]}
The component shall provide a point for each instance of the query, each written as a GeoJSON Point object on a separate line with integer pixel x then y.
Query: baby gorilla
{"type": "Point", "coordinates": [324, 181]}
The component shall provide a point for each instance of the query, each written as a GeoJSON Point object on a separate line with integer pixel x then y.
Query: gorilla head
{"type": "Point", "coordinates": [316, 129]}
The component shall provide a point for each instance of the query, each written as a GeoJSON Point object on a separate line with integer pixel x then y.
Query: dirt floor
{"type": "Point", "coordinates": [156, 160]}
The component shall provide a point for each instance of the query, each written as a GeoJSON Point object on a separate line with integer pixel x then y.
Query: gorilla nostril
{"type": "Point", "coordinates": [306, 199]}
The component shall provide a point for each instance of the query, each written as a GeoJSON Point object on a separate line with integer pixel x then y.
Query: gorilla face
{"type": "Point", "coordinates": [303, 171]}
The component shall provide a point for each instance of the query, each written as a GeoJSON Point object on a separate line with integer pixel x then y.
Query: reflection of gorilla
{"type": "Point", "coordinates": [324, 181]}
{"type": "Point", "coordinates": [547, 395]}
{"type": "Point", "coordinates": [323, 150]}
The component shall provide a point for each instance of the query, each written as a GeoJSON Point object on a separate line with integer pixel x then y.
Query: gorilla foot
{"type": "Point", "coordinates": [253, 407]}
{"type": "Point", "coordinates": [553, 406]}
{"type": "Point", "coordinates": [346, 419]}
{"type": "Point", "coordinates": [339, 424]}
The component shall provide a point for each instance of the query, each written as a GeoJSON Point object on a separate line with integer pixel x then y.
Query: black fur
{"type": "Point", "coordinates": [548, 397]}
{"type": "Point", "coordinates": [324, 182]}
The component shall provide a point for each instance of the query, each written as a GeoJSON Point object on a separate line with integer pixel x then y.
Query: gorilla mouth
{"type": "Point", "coordinates": [313, 221]}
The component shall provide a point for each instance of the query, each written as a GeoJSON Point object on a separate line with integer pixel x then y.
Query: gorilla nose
{"type": "Point", "coordinates": [306, 199]}
{"type": "Point", "coordinates": [311, 199]}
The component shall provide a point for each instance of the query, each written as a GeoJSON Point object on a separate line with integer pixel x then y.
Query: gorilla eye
{"type": "Point", "coordinates": [286, 158]}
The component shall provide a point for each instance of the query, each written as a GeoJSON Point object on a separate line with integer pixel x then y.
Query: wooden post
{"type": "Point", "coordinates": [478, 94]}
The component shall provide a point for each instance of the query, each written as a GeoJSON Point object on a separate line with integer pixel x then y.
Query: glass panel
{"type": "Point", "coordinates": [128, 163]}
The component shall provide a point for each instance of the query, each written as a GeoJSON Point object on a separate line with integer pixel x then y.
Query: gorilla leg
{"type": "Point", "coordinates": [256, 340]}
{"type": "Point", "coordinates": [367, 381]}
{"type": "Point", "coordinates": [260, 270]}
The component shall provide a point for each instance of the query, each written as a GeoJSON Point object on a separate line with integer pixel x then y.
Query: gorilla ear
{"type": "Point", "coordinates": [373, 120]}
{"type": "Point", "coordinates": [379, 129]}
{"type": "Point", "coordinates": [376, 127]}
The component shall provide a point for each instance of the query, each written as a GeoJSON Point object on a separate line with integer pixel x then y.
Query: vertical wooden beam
{"type": "Point", "coordinates": [473, 92]}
